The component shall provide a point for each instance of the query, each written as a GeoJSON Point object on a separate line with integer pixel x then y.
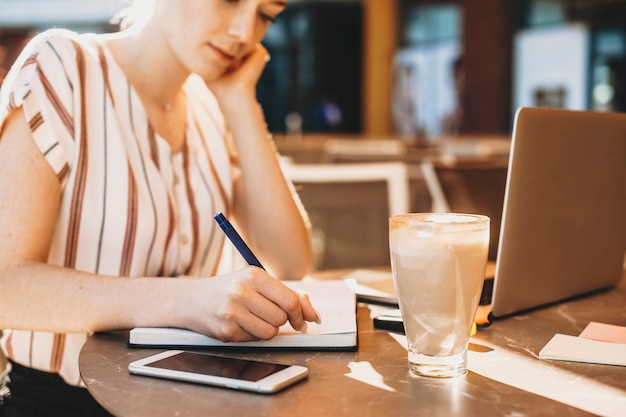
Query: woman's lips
{"type": "Point", "coordinates": [222, 55]}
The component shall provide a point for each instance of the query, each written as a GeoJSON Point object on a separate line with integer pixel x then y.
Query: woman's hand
{"type": "Point", "coordinates": [248, 304]}
{"type": "Point", "coordinates": [240, 79]}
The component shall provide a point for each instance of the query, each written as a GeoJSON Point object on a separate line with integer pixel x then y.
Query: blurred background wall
{"type": "Point", "coordinates": [409, 67]}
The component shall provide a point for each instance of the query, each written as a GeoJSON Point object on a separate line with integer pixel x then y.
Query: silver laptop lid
{"type": "Point", "coordinates": [563, 228]}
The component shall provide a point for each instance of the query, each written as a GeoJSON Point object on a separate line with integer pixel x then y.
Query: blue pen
{"type": "Point", "coordinates": [234, 237]}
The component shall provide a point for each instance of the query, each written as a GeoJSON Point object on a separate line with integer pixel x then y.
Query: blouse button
{"type": "Point", "coordinates": [184, 239]}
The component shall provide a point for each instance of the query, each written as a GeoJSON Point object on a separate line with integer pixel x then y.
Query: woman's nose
{"type": "Point", "coordinates": [242, 27]}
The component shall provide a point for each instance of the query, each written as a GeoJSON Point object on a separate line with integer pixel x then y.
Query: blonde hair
{"type": "Point", "coordinates": [136, 12]}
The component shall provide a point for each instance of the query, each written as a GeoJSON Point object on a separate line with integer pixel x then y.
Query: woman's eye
{"type": "Point", "coordinates": [267, 18]}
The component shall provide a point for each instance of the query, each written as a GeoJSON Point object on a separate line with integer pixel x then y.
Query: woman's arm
{"type": "Point", "coordinates": [34, 295]}
{"type": "Point", "coordinates": [264, 205]}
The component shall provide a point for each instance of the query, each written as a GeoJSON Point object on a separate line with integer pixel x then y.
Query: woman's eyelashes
{"type": "Point", "coordinates": [267, 17]}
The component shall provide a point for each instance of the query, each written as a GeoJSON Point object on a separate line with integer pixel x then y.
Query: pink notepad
{"type": "Point", "coordinates": [604, 332]}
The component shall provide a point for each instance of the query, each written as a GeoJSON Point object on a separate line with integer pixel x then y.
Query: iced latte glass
{"type": "Point", "coordinates": [438, 262]}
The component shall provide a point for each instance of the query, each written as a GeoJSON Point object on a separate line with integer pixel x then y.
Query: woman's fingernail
{"type": "Point", "coordinates": [319, 317]}
{"type": "Point", "coordinates": [267, 58]}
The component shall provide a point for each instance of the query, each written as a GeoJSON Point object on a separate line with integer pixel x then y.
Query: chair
{"type": "Point", "coordinates": [473, 185]}
{"type": "Point", "coordinates": [348, 205]}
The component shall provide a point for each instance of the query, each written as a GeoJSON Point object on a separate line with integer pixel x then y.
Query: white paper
{"type": "Point", "coordinates": [577, 349]}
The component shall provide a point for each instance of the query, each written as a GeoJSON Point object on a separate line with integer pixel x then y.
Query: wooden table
{"type": "Point", "coordinates": [505, 376]}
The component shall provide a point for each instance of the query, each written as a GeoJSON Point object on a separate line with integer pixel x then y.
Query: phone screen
{"type": "Point", "coordinates": [197, 363]}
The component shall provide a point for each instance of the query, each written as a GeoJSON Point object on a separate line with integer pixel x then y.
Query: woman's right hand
{"type": "Point", "coordinates": [248, 304]}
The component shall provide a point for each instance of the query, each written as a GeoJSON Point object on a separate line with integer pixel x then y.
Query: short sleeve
{"type": "Point", "coordinates": [42, 83]}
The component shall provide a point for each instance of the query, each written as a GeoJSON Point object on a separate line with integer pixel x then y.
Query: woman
{"type": "Point", "coordinates": [115, 152]}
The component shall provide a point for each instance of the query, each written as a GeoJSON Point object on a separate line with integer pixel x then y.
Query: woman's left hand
{"type": "Point", "coordinates": [240, 79]}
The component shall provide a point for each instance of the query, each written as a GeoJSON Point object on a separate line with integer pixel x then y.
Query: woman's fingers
{"type": "Point", "coordinates": [309, 311]}
{"type": "Point", "coordinates": [296, 304]}
{"type": "Point", "coordinates": [242, 75]}
{"type": "Point", "coordinates": [297, 307]}
{"type": "Point", "coordinates": [266, 312]}
{"type": "Point", "coordinates": [256, 61]}
{"type": "Point", "coordinates": [254, 305]}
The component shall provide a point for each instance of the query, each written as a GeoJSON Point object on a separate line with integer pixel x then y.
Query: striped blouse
{"type": "Point", "coordinates": [129, 206]}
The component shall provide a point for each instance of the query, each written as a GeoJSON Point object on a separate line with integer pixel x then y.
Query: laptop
{"type": "Point", "coordinates": [563, 231]}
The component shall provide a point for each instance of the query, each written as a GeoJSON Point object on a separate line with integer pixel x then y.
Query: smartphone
{"type": "Point", "coordinates": [203, 368]}
{"type": "Point", "coordinates": [390, 321]}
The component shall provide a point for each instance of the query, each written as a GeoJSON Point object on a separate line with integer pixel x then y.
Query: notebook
{"type": "Point", "coordinates": [334, 301]}
{"type": "Point", "coordinates": [563, 231]}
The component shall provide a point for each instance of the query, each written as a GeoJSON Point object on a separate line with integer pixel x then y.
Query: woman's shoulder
{"type": "Point", "coordinates": [49, 60]}
{"type": "Point", "coordinates": [56, 39]}
{"type": "Point", "coordinates": [47, 52]}
{"type": "Point", "coordinates": [61, 43]}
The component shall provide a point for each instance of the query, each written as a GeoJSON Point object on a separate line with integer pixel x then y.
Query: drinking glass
{"type": "Point", "coordinates": [438, 262]}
